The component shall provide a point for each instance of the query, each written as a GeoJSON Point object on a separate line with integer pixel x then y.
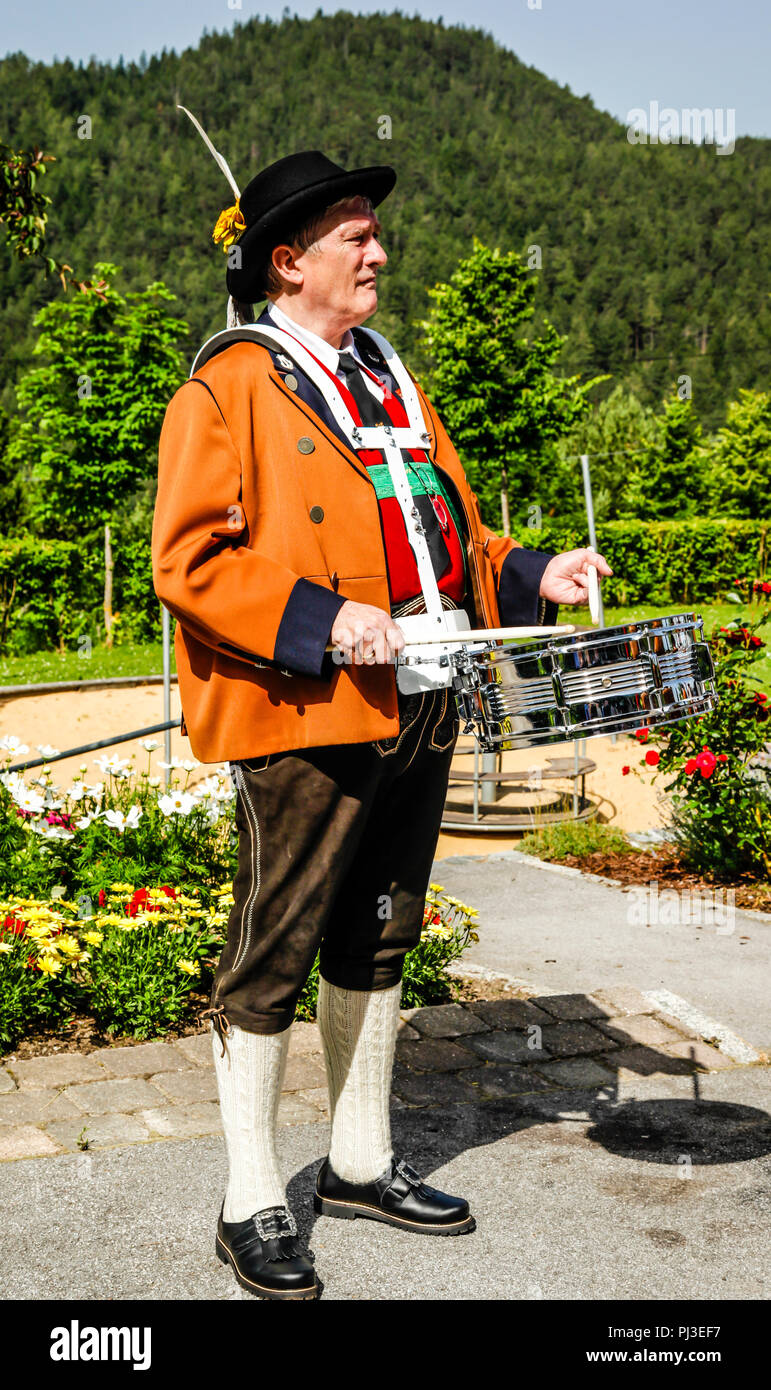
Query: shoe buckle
{"type": "Point", "coordinates": [274, 1222]}
{"type": "Point", "coordinates": [408, 1173]}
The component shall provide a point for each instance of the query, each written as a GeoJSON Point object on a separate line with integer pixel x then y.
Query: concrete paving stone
{"type": "Point", "coordinates": [101, 1131]}
{"type": "Point", "coordinates": [186, 1121]}
{"type": "Point", "coordinates": [506, 1047]}
{"type": "Point", "coordinates": [436, 1054]}
{"type": "Point", "coordinates": [197, 1048]}
{"type": "Point", "coordinates": [646, 1061]}
{"type": "Point", "coordinates": [304, 1072]}
{"type": "Point", "coordinates": [35, 1107]}
{"type": "Point", "coordinates": [447, 1021]}
{"type": "Point", "coordinates": [293, 1109]}
{"type": "Point", "coordinates": [618, 1000]}
{"type": "Point", "coordinates": [317, 1095]}
{"type": "Point", "coordinates": [304, 1037]}
{"type": "Point", "coordinates": [505, 1014]}
{"type": "Point", "coordinates": [570, 1039]}
{"type": "Point", "coordinates": [406, 1032]}
{"type": "Point", "coordinates": [408, 1014]}
{"type": "Point", "coordinates": [639, 1028]}
{"type": "Point", "coordinates": [198, 1085]}
{"type": "Point", "coordinates": [510, 1081]}
{"type": "Point", "coordinates": [7, 1082]}
{"type": "Point", "coordinates": [577, 1071]}
{"type": "Point", "coordinates": [141, 1059]}
{"type": "Point", "coordinates": [433, 1088]}
{"type": "Point", "coordinates": [104, 1097]}
{"type": "Point", "coordinates": [699, 1053]}
{"type": "Point", "coordinates": [686, 1030]}
{"type": "Point", "coordinates": [60, 1069]}
{"type": "Point", "coordinates": [570, 1007]}
{"type": "Point", "coordinates": [25, 1141]}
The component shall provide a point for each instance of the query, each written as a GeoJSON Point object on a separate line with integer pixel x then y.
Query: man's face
{"type": "Point", "coordinates": [339, 270]}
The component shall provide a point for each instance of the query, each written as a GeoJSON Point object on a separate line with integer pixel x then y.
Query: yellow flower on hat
{"type": "Point", "coordinates": [230, 224]}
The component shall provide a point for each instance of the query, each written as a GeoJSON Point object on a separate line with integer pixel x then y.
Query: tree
{"type": "Point", "coordinates": [492, 384]}
{"type": "Point", "coordinates": [619, 436]}
{"type": "Point", "coordinates": [23, 207]}
{"type": "Point", "coordinates": [672, 483]}
{"type": "Point", "coordinates": [742, 458]}
{"type": "Point", "coordinates": [94, 411]}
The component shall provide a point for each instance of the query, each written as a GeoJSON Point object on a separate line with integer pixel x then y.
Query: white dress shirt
{"type": "Point", "coordinates": [320, 348]}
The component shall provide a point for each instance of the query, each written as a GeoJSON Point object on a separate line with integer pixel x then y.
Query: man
{"type": "Point", "coordinates": [275, 538]}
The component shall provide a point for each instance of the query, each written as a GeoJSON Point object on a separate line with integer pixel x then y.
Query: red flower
{"type": "Point", "coordinates": [652, 757]}
{"type": "Point", "coordinates": [13, 925]}
{"type": "Point", "coordinates": [691, 766]}
{"type": "Point", "coordinates": [722, 757]}
{"type": "Point", "coordinates": [625, 771]}
{"type": "Point", "coordinates": [102, 897]}
{"type": "Point", "coordinates": [766, 588]}
{"type": "Point", "coordinates": [642, 735]}
{"type": "Point", "coordinates": [706, 763]}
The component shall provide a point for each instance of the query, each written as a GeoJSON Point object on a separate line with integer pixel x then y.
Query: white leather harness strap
{"type": "Point", "coordinates": [389, 439]}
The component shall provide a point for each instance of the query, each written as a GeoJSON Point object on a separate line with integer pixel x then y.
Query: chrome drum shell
{"type": "Point", "coordinates": [602, 681]}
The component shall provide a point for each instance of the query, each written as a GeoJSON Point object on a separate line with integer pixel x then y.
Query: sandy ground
{"type": "Point", "coordinates": [72, 718]}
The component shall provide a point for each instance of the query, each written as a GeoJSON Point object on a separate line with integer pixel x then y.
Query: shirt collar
{"type": "Point", "coordinates": [318, 346]}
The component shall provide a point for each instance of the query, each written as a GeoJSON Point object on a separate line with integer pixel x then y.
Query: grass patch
{"type": "Point", "coordinates": [580, 839]}
{"type": "Point", "coordinates": [127, 659]}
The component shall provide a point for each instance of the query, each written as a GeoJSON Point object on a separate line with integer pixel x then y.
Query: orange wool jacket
{"type": "Point", "coordinates": [265, 523]}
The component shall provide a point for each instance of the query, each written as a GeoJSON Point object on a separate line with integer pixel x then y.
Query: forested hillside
{"type": "Point", "coordinates": [654, 258]}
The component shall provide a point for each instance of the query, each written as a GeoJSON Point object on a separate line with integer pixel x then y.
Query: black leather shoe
{"type": "Point", "coordinates": [398, 1197]}
{"type": "Point", "coordinates": [266, 1255]}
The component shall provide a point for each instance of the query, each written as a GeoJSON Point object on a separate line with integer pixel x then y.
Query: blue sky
{"type": "Point", "coordinates": [624, 53]}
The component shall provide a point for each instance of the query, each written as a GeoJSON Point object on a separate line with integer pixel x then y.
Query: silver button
{"type": "Point", "coordinates": [305, 445]}
{"type": "Point", "coordinates": [290, 381]}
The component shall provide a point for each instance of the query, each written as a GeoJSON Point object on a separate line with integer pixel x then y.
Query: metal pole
{"type": "Point", "coordinates": [592, 534]}
{"type": "Point", "coordinates": [489, 789]}
{"type": "Point", "coordinates": [590, 518]}
{"type": "Point", "coordinates": [166, 629]}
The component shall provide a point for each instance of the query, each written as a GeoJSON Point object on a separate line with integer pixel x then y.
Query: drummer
{"type": "Point", "coordinates": [268, 546]}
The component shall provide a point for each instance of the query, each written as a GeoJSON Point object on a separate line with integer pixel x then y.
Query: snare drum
{"type": "Point", "coordinates": [603, 681]}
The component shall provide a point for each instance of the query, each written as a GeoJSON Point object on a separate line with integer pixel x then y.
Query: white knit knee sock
{"type": "Point", "coordinates": [249, 1080]}
{"type": "Point", "coordinates": [358, 1031]}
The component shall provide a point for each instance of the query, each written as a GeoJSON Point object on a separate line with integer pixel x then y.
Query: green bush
{"type": "Point", "coordinates": [579, 839]}
{"type": "Point", "coordinates": [721, 787]}
{"type": "Point", "coordinates": [664, 562]}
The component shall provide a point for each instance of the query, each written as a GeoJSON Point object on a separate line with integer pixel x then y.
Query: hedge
{"type": "Point", "coordinates": [665, 561]}
{"type": "Point", "coordinates": [51, 591]}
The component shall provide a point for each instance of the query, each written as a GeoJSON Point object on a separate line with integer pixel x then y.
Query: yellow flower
{"type": "Point", "coordinates": [47, 966]}
{"type": "Point", "coordinates": [39, 932]}
{"type": "Point", "coordinates": [190, 967]}
{"type": "Point", "coordinates": [68, 945]}
{"type": "Point", "coordinates": [94, 938]}
{"type": "Point", "coordinates": [5, 947]}
{"type": "Point", "coordinates": [230, 225]}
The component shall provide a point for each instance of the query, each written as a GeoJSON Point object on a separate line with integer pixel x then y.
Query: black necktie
{"type": "Point", "coordinates": [373, 412]}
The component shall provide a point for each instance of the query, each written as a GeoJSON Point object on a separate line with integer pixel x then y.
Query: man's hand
{"type": "Point", "coordinates": [366, 635]}
{"type": "Point", "coordinates": [565, 578]}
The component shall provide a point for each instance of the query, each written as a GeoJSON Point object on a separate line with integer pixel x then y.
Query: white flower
{"type": "Point", "coordinates": [12, 744]}
{"type": "Point", "coordinates": [47, 750]}
{"type": "Point", "coordinates": [149, 744]}
{"type": "Point", "coordinates": [76, 792]}
{"type": "Point", "coordinates": [85, 821]}
{"type": "Point", "coordinates": [117, 821]}
{"type": "Point", "coordinates": [112, 763]}
{"type": "Point", "coordinates": [57, 832]}
{"type": "Point", "coordinates": [184, 763]}
{"type": "Point", "coordinates": [96, 791]}
{"type": "Point", "coordinates": [153, 781]}
{"type": "Point", "coordinates": [28, 800]}
{"type": "Point", "coordinates": [176, 804]}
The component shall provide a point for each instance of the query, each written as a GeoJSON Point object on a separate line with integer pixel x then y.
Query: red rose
{"type": "Point", "coordinates": [102, 897]}
{"type": "Point", "coordinates": [642, 734]}
{"type": "Point", "coordinates": [722, 757]}
{"type": "Point", "coordinates": [691, 766]}
{"type": "Point", "coordinates": [625, 771]}
{"type": "Point", "coordinates": [706, 763]}
{"type": "Point", "coordinates": [766, 588]}
{"type": "Point", "coordinates": [651, 757]}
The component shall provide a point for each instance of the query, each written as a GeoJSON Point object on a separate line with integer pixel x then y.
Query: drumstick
{"type": "Point", "coordinates": [462, 635]}
{"type": "Point", "coordinates": [594, 590]}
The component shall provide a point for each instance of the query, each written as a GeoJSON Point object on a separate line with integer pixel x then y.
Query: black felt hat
{"type": "Point", "coordinates": [281, 196]}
